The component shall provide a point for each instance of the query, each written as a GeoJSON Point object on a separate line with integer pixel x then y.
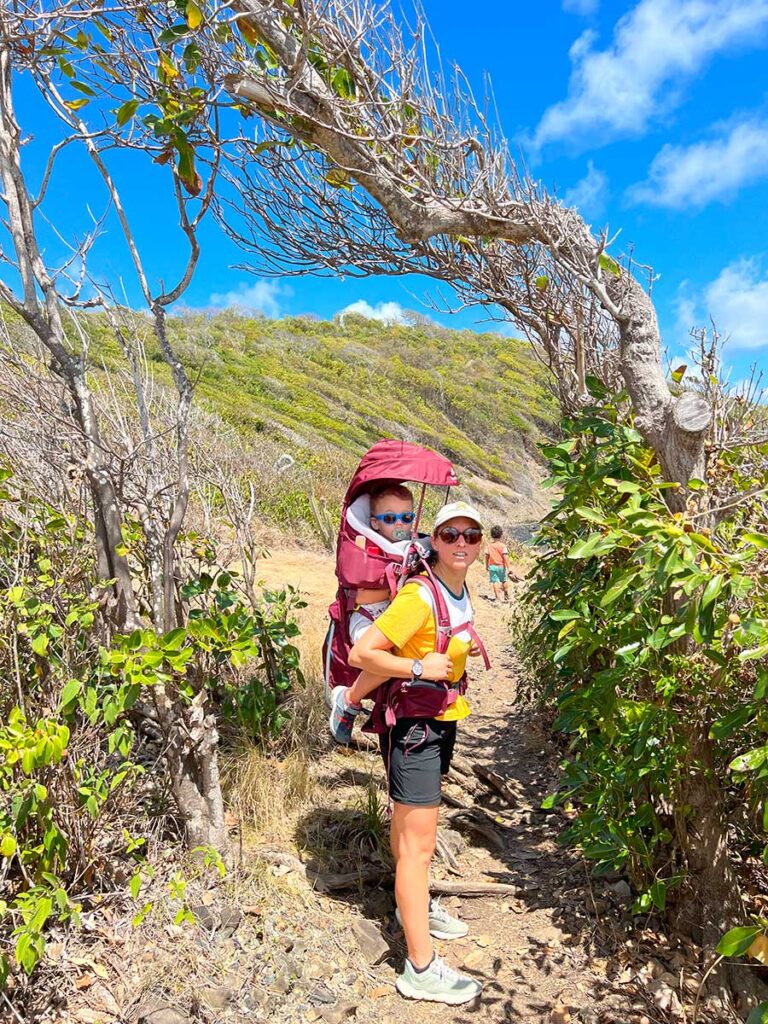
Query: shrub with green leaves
{"type": "Point", "coordinates": [67, 699]}
{"type": "Point", "coordinates": [651, 639]}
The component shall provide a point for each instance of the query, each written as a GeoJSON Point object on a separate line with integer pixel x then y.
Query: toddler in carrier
{"type": "Point", "coordinates": [391, 522]}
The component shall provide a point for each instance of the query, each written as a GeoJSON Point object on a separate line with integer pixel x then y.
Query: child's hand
{"type": "Point", "coordinates": [436, 667]}
{"type": "Point", "coordinates": [474, 651]}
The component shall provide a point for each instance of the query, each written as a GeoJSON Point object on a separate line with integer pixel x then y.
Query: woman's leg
{"type": "Point", "coordinates": [413, 835]}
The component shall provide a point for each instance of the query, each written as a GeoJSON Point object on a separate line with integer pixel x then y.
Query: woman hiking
{"type": "Point", "coordinates": [401, 644]}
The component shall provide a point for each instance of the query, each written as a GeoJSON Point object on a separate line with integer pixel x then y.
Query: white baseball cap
{"type": "Point", "coordinates": [455, 509]}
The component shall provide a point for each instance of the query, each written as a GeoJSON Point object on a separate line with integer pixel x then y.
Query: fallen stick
{"type": "Point", "coordinates": [454, 801]}
{"type": "Point", "coordinates": [497, 782]}
{"type": "Point", "coordinates": [472, 888]}
{"type": "Point", "coordinates": [486, 830]}
{"type": "Point", "coordinates": [349, 879]}
{"type": "Point", "coordinates": [463, 779]}
{"type": "Point", "coordinates": [442, 849]}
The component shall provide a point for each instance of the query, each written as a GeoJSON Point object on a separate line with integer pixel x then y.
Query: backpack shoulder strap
{"type": "Point", "coordinates": [442, 616]}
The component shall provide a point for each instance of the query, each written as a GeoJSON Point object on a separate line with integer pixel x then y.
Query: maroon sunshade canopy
{"type": "Point", "coordinates": [398, 461]}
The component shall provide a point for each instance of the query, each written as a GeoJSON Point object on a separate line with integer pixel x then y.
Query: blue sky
{"type": "Point", "coordinates": [652, 117]}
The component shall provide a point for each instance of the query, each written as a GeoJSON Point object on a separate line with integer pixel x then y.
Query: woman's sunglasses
{"type": "Point", "coordinates": [390, 518]}
{"type": "Point", "coordinates": [472, 534]}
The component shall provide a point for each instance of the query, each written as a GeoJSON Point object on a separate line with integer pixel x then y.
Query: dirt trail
{"type": "Point", "coordinates": [541, 951]}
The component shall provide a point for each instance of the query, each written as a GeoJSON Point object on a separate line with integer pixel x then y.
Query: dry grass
{"type": "Point", "coordinates": [264, 792]}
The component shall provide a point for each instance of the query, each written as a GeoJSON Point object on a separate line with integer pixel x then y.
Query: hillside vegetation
{"type": "Point", "coordinates": [322, 392]}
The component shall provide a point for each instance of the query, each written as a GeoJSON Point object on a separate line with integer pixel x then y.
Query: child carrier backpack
{"type": "Point", "coordinates": [388, 566]}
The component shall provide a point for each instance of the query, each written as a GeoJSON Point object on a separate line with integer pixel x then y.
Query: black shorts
{"type": "Point", "coordinates": [416, 752]}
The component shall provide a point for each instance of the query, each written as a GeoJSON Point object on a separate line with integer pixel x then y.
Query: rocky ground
{"type": "Point", "coordinates": [552, 944]}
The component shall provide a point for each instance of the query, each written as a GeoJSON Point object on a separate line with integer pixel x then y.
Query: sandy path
{"type": "Point", "coordinates": [536, 950]}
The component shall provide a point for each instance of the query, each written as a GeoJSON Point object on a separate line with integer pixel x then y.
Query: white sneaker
{"type": "Point", "coordinates": [441, 924]}
{"type": "Point", "coordinates": [439, 983]}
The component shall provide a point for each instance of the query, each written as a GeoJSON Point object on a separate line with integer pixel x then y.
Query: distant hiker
{"type": "Point", "coordinates": [390, 522]}
{"type": "Point", "coordinates": [497, 563]}
{"type": "Point", "coordinates": [417, 725]}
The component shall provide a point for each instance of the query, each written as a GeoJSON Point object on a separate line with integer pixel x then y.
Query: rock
{"type": "Point", "coordinates": [560, 1014]}
{"type": "Point", "coordinates": [229, 921]}
{"type": "Point", "coordinates": [339, 1013]}
{"type": "Point", "coordinates": [663, 993]}
{"type": "Point", "coordinates": [372, 943]}
{"type": "Point", "coordinates": [621, 890]}
{"type": "Point", "coordinates": [282, 985]}
{"type": "Point", "coordinates": [217, 998]}
{"type": "Point", "coordinates": [255, 998]}
{"type": "Point", "coordinates": [166, 1015]}
{"type": "Point", "coordinates": [321, 995]}
{"type": "Point", "coordinates": [224, 921]}
{"type": "Point", "coordinates": [692, 984]}
{"type": "Point", "coordinates": [314, 969]}
{"type": "Point", "coordinates": [206, 917]}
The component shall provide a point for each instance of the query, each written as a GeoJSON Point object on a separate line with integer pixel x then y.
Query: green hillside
{"type": "Point", "coordinates": [321, 393]}
{"type": "Point", "coordinates": [481, 399]}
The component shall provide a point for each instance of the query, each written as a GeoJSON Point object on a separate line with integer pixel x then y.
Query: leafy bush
{"type": "Point", "coordinates": [651, 640]}
{"type": "Point", "coordinates": [69, 688]}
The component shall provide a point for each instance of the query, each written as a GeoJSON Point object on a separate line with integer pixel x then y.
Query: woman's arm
{"type": "Point", "coordinates": [373, 653]}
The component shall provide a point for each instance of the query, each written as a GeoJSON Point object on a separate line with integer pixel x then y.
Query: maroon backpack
{"type": "Point", "coordinates": [359, 565]}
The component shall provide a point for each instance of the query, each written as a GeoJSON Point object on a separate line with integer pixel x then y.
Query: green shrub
{"type": "Point", "coordinates": [651, 631]}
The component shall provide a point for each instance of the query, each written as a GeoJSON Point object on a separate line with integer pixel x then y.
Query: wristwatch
{"type": "Point", "coordinates": [416, 669]}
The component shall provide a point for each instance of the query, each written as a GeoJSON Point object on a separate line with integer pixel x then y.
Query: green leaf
{"type": "Point", "coordinates": [728, 725]}
{"type": "Point", "coordinates": [76, 104]}
{"type": "Point", "coordinates": [7, 845]}
{"type": "Point", "coordinates": [614, 592]}
{"type": "Point", "coordinates": [761, 685]}
{"type": "Point", "coordinates": [750, 761]}
{"type": "Point", "coordinates": [624, 486]}
{"type": "Point", "coordinates": [40, 644]}
{"type": "Point", "coordinates": [70, 691]}
{"type": "Point", "coordinates": [86, 90]}
{"type": "Point", "coordinates": [542, 282]}
{"type": "Point", "coordinates": [590, 514]}
{"type": "Point", "coordinates": [124, 113]}
{"type": "Point", "coordinates": [658, 893]}
{"type": "Point", "coordinates": [760, 540]}
{"type": "Point", "coordinates": [678, 374]}
{"type": "Point", "coordinates": [737, 940]}
{"type": "Point", "coordinates": [711, 591]}
{"type": "Point", "coordinates": [608, 264]}
{"type": "Point", "coordinates": [759, 1015]}
{"type": "Point", "coordinates": [135, 884]}
{"type": "Point", "coordinates": [564, 615]}
{"type": "Point", "coordinates": [754, 653]}
{"type": "Point", "coordinates": [343, 84]}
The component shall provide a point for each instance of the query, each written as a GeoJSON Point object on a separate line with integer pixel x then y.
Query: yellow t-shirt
{"type": "Point", "coordinates": [409, 623]}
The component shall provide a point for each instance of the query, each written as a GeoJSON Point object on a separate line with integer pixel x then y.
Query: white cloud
{"type": "Point", "coordinates": [581, 6]}
{"type": "Point", "coordinates": [259, 297]}
{"type": "Point", "coordinates": [655, 47]}
{"type": "Point", "coordinates": [589, 194]}
{"type": "Point", "coordinates": [682, 177]}
{"type": "Point", "coordinates": [737, 301]}
{"type": "Point", "coordinates": [386, 312]}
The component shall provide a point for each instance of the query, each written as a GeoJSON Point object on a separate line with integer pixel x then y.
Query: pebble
{"type": "Point", "coordinates": [217, 998]}
{"type": "Point", "coordinates": [372, 943]}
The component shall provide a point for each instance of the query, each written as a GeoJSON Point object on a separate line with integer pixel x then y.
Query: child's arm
{"type": "Point", "coordinates": [487, 557]}
{"type": "Point", "coordinates": [505, 559]}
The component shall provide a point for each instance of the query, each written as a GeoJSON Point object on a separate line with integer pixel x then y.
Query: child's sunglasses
{"type": "Point", "coordinates": [390, 518]}
{"type": "Point", "coordinates": [472, 534]}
